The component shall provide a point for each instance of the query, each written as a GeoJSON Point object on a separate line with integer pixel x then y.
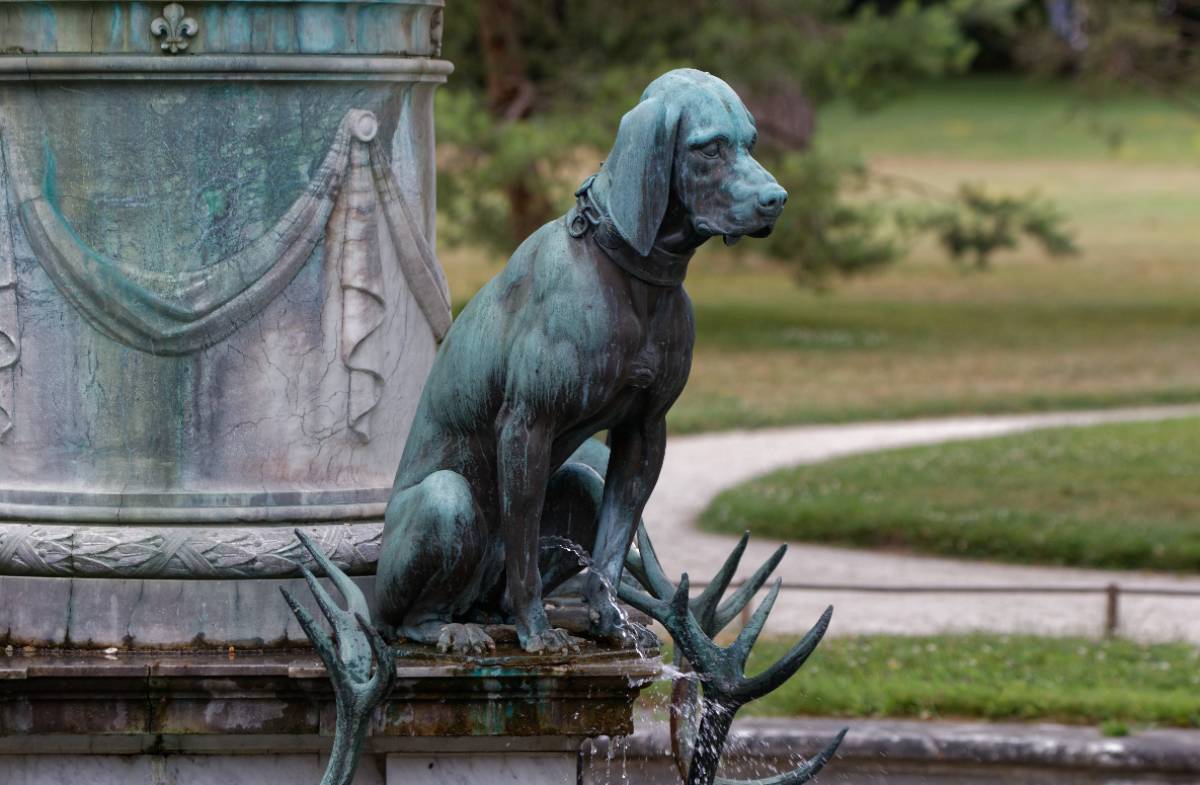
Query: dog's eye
{"type": "Point", "coordinates": [711, 150]}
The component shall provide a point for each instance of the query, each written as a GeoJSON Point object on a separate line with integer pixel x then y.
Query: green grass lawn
{"type": "Point", "coordinates": [1114, 683]}
{"type": "Point", "coordinates": [1119, 324]}
{"type": "Point", "coordinates": [1116, 496]}
{"type": "Point", "coordinates": [1013, 118]}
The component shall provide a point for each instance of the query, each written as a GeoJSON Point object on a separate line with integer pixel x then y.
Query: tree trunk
{"type": "Point", "coordinates": [510, 98]}
{"type": "Point", "coordinates": [786, 118]}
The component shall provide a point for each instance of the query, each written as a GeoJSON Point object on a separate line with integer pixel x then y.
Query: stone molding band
{"type": "Point", "coordinates": [183, 516]}
{"type": "Point", "coordinates": [184, 552]}
{"type": "Point", "coordinates": [223, 67]}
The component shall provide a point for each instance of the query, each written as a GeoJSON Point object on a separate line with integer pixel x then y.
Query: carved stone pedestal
{"type": "Point", "coordinates": [219, 301]}
{"type": "Point", "coordinates": [267, 718]}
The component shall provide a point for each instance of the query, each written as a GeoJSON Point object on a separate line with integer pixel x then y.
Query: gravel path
{"type": "Point", "coordinates": [699, 467]}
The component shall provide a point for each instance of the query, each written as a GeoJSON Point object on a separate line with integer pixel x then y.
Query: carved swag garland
{"type": "Point", "coordinates": [184, 313]}
{"type": "Point", "coordinates": [10, 337]}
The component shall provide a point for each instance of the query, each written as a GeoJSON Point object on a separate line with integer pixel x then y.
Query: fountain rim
{"type": "Point", "coordinates": [223, 67]}
{"type": "Point", "coordinates": [431, 3]}
{"type": "Point", "coordinates": [199, 508]}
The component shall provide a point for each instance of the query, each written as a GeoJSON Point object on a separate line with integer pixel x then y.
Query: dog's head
{"type": "Point", "coordinates": [689, 141]}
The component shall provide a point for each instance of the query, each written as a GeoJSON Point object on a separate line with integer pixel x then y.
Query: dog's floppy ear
{"type": "Point", "coordinates": [639, 172]}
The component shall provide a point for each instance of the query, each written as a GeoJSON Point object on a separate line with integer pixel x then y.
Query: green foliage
{"type": "Point", "coordinates": [481, 157]}
{"type": "Point", "coordinates": [827, 231]}
{"type": "Point", "coordinates": [583, 65]}
{"type": "Point", "coordinates": [1113, 683]}
{"type": "Point", "coordinates": [1118, 496]}
{"type": "Point", "coordinates": [838, 228]}
{"type": "Point", "coordinates": [977, 224]}
{"type": "Point", "coordinates": [867, 56]}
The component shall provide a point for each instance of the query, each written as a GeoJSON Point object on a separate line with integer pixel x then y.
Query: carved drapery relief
{"type": "Point", "coordinates": [10, 337]}
{"type": "Point", "coordinates": [351, 247]}
{"type": "Point", "coordinates": [175, 314]}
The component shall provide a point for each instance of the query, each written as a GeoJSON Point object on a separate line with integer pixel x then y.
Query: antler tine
{"type": "Point", "coordinates": [791, 662]}
{"type": "Point", "coordinates": [800, 774]}
{"type": "Point", "coordinates": [320, 640]}
{"type": "Point", "coordinates": [677, 617]}
{"type": "Point", "coordinates": [706, 656]}
{"type": "Point", "coordinates": [646, 603]}
{"type": "Point", "coordinates": [705, 606]}
{"type": "Point", "coordinates": [729, 609]}
{"type": "Point", "coordinates": [351, 647]}
{"type": "Point", "coordinates": [749, 635]}
{"type": "Point", "coordinates": [635, 569]}
{"type": "Point", "coordinates": [658, 583]}
{"type": "Point", "coordinates": [385, 661]}
{"type": "Point", "coordinates": [684, 718]}
{"type": "Point", "coordinates": [355, 601]}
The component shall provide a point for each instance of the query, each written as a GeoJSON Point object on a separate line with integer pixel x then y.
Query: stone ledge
{"type": "Point", "coordinates": [223, 68]}
{"type": "Point", "coordinates": [1041, 745]}
{"type": "Point", "coordinates": [287, 693]}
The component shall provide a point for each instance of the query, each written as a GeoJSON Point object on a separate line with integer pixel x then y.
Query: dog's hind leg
{"type": "Point", "coordinates": [569, 520]}
{"type": "Point", "coordinates": [570, 525]}
{"type": "Point", "coordinates": [432, 563]}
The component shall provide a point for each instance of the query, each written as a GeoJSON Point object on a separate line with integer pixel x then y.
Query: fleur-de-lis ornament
{"type": "Point", "coordinates": [176, 27]}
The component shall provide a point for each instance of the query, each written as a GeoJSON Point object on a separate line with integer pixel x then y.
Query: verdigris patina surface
{"type": "Point", "coordinates": [218, 304]}
{"type": "Point", "coordinates": [587, 329]}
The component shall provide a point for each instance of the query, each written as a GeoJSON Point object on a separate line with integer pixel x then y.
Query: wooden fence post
{"type": "Point", "coordinates": [1112, 610]}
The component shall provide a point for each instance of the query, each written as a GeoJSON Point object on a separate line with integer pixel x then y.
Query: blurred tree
{"type": "Point", "coordinates": [977, 223]}
{"type": "Point", "coordinates": [541, 85]}
{"type": "Point", "coordinates": [1121, 43]}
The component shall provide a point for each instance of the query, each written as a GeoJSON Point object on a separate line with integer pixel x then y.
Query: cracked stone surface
{"type": "Point", "coordinates": [159, 186]}
{"type": "Point", "coordinates": [699, 467]}
{"type": "Point", "coordinates": [264, 411]}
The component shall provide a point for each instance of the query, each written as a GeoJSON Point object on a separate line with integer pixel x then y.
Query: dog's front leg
{"type": "Point", "coordinates": [637, 452]}
{"type": "Point", "coordinates": [523, 456]}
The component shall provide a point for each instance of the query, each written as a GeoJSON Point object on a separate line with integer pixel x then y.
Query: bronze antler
{"type": "Point", "coordinates": [725, 688]}
{"type": "Point", "coordinates": [356, 690]}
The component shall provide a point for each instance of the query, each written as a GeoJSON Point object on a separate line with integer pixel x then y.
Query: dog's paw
{"type": "Point", "coordinates": [464, 639]}
{"type": "Point", "coordinates": [551, 641]}
{"type": "Point", "coordinates": [623, 634]}
{"type": "Point", "coordinates": [635, 636]}
{"type": "Point", "coordinates": [609, 623]}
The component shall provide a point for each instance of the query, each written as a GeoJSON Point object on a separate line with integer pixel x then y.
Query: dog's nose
{"type": "Point", "coordinates": [772, 198]}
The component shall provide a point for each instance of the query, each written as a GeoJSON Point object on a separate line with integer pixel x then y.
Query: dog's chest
{"type": "Point", "coordinates": [652, 357]}
{"type": "Point", "coordinates": [645, 367]}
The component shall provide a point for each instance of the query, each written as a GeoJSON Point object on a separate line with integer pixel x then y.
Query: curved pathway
{"type": "Point", "coordinates": [699, 467]}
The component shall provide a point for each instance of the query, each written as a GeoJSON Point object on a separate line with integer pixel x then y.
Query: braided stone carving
{"type": "Point", "coordinates": [181, 551]}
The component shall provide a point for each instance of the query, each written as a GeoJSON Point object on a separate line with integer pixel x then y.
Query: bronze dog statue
{"type": "Point", "coordinates": [588, 328]}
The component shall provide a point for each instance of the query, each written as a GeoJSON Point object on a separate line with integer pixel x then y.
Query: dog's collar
{"type": "Point", "coordinates": [658, 268]}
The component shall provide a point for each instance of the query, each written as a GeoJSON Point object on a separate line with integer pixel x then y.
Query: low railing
{"type": "Point", "coordinates": [1112, 593]}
